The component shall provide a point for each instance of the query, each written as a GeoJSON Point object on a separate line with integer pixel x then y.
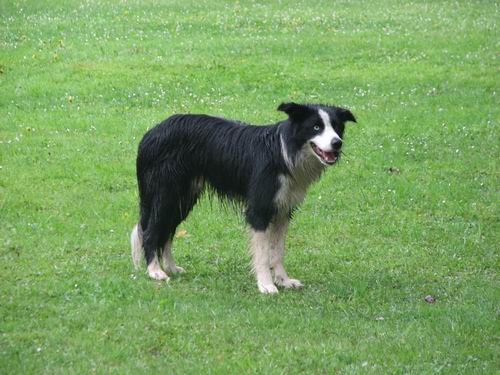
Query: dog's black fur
{"type": "Point", "coordinates": [179, 156]}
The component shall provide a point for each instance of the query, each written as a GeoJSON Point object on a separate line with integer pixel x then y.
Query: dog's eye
{"type": "Point", "coordinates": [316, 127]}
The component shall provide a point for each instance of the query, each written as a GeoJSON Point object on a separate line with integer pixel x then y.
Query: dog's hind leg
{"type": "Point", "coordinates": [177, 214]}
{"type": "Point", "coordinates": [151, 242]}
{"type": "Point", "coordinates": [136, 245]}
{"type": "Point", "coordinates": [168, 260]}
{"type": "Point", "coordinates": [155, 271]}
{"type": "Point", "coordinates": [277, 234]}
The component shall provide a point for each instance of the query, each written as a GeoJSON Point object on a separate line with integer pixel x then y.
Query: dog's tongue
{"type": "Point", "coordinates": [328, 156]}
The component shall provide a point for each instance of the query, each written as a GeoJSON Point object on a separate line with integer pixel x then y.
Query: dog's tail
{"type": "Point", "coordinates": [136, 244]}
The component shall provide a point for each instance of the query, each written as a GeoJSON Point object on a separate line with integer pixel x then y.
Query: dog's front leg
{"type": "Point", "coordinates": [277, 236]}
{"type": "Point", "coordinates": [260, 246]}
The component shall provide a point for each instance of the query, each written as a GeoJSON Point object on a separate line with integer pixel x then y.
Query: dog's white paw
{"type": "Point", "coordinates": [289, 283]}
{"type": "Point", "coordinates": [175, 269]}
{"type": "Point", "coordinates": [157, 274]}
{"type": "Point", "coordinates": [267, 288]}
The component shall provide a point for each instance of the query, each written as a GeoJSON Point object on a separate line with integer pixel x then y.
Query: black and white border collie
{"type": "Point", "coordinates": [266, 168]}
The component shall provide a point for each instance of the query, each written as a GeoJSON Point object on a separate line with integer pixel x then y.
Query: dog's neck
{"type": "Point", "coordinates": [303, 166]}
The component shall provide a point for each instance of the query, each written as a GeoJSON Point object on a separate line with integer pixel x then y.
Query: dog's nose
{"type": "Point", "coordinates": [336, 144]}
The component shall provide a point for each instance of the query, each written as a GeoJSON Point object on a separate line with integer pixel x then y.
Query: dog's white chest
{"type": "Point", "coordinates": [290, 194]}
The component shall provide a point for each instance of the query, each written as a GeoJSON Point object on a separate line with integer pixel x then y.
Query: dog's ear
{"type": "Point", "coordinates": [345, 115]}
{"type": "Point", "coordinates": [295, 111]}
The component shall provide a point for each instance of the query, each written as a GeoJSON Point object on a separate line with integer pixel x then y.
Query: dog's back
{"type": "Point", "coordinates": [223, 153]}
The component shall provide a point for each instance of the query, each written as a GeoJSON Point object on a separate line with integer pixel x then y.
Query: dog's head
{"type": "Point", "coordinates": [319, 128]}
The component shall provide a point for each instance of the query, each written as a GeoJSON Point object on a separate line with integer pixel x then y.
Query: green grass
{"type": "Point", "coordinates": [80, 82]}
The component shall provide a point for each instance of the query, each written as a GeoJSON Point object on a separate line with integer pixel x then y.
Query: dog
{"type": "Point", "coordinates": [266, 168]}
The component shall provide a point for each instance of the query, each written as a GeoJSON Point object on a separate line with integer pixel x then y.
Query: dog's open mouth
{"type": "Point", "coordinates": [326, 157]}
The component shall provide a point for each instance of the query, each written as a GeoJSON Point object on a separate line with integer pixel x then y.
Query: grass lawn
{"type": "Point", "coordinates": [412, 210]}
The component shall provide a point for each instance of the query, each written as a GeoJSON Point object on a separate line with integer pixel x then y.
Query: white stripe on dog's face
{"type": "Point", "coordinates": [325, 139]}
